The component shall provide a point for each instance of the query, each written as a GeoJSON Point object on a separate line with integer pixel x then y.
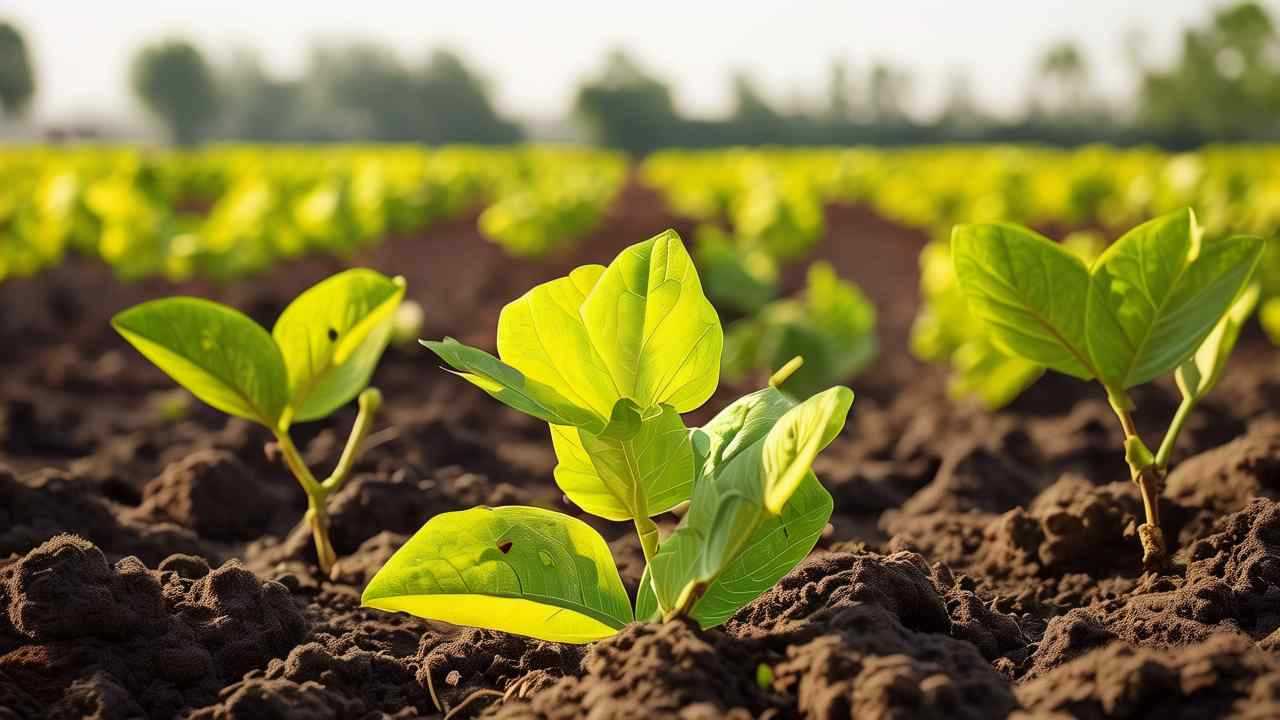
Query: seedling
{"type": "Point", "coordinates": [610, 358]}
{"type": "Point", "coordinates": [319, 356]}
{"type": "Point", "coordinates": [1160, 299]}
{"type": "Point", "coordinates": [832, 325]}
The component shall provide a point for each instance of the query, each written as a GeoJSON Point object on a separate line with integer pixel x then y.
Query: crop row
{"type": "Point", "coordinates": [761, 208]}
{"type": "Point", "coordinates": [231, 210]}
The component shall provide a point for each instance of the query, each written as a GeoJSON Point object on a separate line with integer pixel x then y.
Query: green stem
{"type": "Point", "coordinates": [317, 517]}
{"type": "Point", "coordinates": [370, 400]}
{"type": "Point", "coordinates": [318, 493]}
{"type": "Point", "coordinates": [647, 529]}
{"type": "Point", "coordinates": [1175, 428]}
{"type": "Point", "coordinates": [1148, 474]}
{"type": "Point", "coordinates": [293, 459]}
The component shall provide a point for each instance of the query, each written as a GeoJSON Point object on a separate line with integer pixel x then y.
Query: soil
{"type": "Point", "coordinates": [978, 565]}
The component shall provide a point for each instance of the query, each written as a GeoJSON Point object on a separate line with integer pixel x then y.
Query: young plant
{"type": "Point", "coordinates": [320, 354]}
{"type": "Point", "coordinates": [610, 358]}
{"type": "Point", "coordinates": [1160, 299]}
{"type": "Point", "coordinates": [832, 326]}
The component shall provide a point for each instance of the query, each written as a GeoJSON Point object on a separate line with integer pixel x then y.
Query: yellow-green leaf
{"type": "Point", "coordinates": [1157, 293]}
{"type": "Point", "coordinates": [652, 328]}
{"type": "Point", "coordinates": [221, 355]}
{"type": "Point", "coordinates": [509, 386]}
{"type": "Point", "coordinates": [757, 508]}
{"type": "Point", "coordinates": [598, 473]}
{"type": "Point", "coordinates": [1030, 291]}
{"type": "Point", "coordinates": [331, 337]}
{"type": "Point", "coordinates": [521, 570]}
{"type": "Point", "coordinates": [1202, 371]}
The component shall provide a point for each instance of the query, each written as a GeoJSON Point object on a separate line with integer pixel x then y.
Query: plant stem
{"type": "Point", "coordinates": [369, 402]}
{"type": "Point", "coordinates": [647, 529]}
{"type": "Point", "coordinates": [318, 493]}
{"type": "Point", "coordinates": [318, 519]}
{"type": "Point", "coordinates": [1149, 477]}
{"type": "Point", "coordinates": [293, 459]}
{"type": "Point", "coordinates": [1175, 428]}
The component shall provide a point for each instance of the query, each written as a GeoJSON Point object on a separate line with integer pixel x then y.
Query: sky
{"type": "Point", "coordinates": [535, 53]}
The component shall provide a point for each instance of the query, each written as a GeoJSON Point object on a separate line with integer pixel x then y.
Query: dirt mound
{"type": "Point", "coordinates": [91, 632]}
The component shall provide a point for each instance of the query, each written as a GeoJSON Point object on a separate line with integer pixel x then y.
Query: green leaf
{"type": "Point", "coordinates": [647, 609]}
{"type": "Point", "coordinates": [1158, 292]}
{"type": "Point", "coordinates": [1030, 291]}
{"type": "Point", "coordinates": [331, 337]}
{"type": "Point", "coordinates": [598, 472]}
{"type": "Point", "coordinates": [757, 509]}
{"type": "Point", "coordinates": [222, 356]}
{"type": "Point", "coordinates": [542, 335]}
{"type": "Point", "coordinates": [777, 545]}
{"type": "Point", "coordinates": [521, 570]}
{"type": "Point", "coordinates": [652, 328]}
{"type": "Point", "coordinates": [794, 443]}
{"type": "Point", "coordinates": [511, 387]}
{"type": "Point", "coordinates": [1202, 371]}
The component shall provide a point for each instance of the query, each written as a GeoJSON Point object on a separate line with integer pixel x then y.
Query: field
{"type": "Point", "coordinates": [980, 561]}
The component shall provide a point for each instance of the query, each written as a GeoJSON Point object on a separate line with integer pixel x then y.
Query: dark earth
{"type": "Point", "coordinates": [978, 565]}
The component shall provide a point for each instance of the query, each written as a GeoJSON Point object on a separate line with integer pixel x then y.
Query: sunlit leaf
{"type": "Point", "coordinates": [331, 337]}
{"type": "Point", "coordinates": [542, 335]}
{"type": "Point", "coordinates": [221, 355]}
{"type": "Point", "coordinates": [511, 387]}
{"type": "Point", "coordinates": [757, 509]}
{"type": "Point", "coordinates": [1029, 290]}
{"type": "Point", "coordinates": [596, 472]}
{"type": "Point", "coordinates": [521, 570]}
{"type": "Point", "coordinates": [1158, 292]}
{"type": "Point", "coordinates": [653, 329]}
{"type": "Point", "coordinates": [1201, 372]}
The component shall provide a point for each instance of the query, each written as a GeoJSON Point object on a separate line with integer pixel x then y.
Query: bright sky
{"type": "Point", "coordinates": [536, 52]}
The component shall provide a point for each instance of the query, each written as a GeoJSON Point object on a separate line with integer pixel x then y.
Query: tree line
{"type": "Point", "coordinates": [1224, 85]}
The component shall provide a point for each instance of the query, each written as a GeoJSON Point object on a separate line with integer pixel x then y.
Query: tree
{"type": "Point", "coordinates": [1226, 83]}
{"type": "Point", "coordinates": [839, 92]}
{"type": "Point", "coordinates": [17, 83]}
{"type": "Point", "coordinates": [174, 82]}
{"type": "Point", "coordinates": [258, 106]}
{"type": "Point", "coordinates": [1062, 83]}
{"type": "Point", "coordinates": [627, 107]}
{"type": "Point", "coordinates": [888, 92]}
{"type": "Point", "coordinates": [961, 112]}
{"type": "Point", "coordinates": [456, 105]}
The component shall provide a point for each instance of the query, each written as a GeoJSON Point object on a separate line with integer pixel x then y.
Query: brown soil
{"type": "Point", "coordinates": [978, 565]}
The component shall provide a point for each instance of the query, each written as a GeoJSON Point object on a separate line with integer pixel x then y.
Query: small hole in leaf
{"type": "Point", "coordinates": [333, 334]}
{"type": "Point", "coordinates": [505, 546]}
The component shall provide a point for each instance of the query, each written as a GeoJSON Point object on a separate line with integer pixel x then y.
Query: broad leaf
{"type": "Point", "coordinates": [596, 472]}
{"type": "Point", "coordinates": [221, 355]}
{"type": "Point", "coordinates": [511, 387]}
{"type": "Point", "coordinates": [1158, 292]}
{"type": "Point", "coordinates": [757, 509]}
{"type": "Point", "coordinates": [652, 328]}
{"type": "Point", "coordinates": [331, 337]}
{"type": "Point", "coordinates": [1201, 372]}
{"type": "Point", "coordinates": [794, 443]}
{"type": "Point", "coordinates": [778, 544]}
{"type": "Point", "coordinates": [1030, 291]}
{"type": "Point", "coordinates": [521, 570]}
{"type": "Point", "coordinates": [542, 335]}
